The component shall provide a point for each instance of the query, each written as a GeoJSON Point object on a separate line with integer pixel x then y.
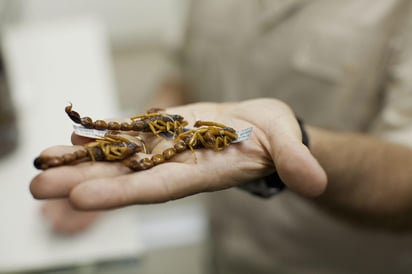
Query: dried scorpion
{"type": "Point", "coordinates": [110, 148]}
{"type": "Point", "coordinates": [153, 121]}
{"type": "Point", "coordinates": [114, 147]}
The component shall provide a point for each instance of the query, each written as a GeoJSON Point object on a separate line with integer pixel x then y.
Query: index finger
{"type": "Point", "coordinates": [59, 181]}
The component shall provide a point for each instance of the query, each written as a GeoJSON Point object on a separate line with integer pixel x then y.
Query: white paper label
{"type": "Point", "coordinates": [243, 134]}
{"type": "Point", "coordinates": [89, 132]}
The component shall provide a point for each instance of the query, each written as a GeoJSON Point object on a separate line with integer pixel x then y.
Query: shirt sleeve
{"type": "Point", "coordinates": [394, 123]}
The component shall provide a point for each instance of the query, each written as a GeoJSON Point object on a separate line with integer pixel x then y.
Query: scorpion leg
{"type": "Point", "coordinates": [212, 126]}
{"type": "Point", "coordinates": [200, 123]}
{"type": "Point", "coordinates": [155, 128]}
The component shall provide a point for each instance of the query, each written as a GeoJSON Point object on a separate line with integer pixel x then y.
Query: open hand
{"type": "Point", "coordinates": [275, 144]}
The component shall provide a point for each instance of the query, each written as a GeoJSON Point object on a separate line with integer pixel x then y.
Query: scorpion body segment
{"type": "Point", "coordinates": [161, 123]}
{"type": "Point", "coordinates": [209, 135]}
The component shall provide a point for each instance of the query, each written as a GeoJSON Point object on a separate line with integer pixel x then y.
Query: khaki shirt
{"type": "Point", "coordinates": [344, 65]}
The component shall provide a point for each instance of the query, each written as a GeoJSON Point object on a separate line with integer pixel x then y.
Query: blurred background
{"type": "Point", "coordinates": [106, 57]}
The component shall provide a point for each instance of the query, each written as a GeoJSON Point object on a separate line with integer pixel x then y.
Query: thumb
{"type": "Point", "coordinates": [294, 162]}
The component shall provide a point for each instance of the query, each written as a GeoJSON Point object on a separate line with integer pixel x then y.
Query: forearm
{"type": "Point", "coordinates": [366, 176]}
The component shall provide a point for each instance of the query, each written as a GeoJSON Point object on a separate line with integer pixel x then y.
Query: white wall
{"type": "Point", "coordinates": [142, 34]}
{"type": "Point", "coordinates": [129, 22]}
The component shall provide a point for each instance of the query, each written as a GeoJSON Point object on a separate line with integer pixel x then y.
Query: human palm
{"type": "Point", "coordinates": [275, 144]}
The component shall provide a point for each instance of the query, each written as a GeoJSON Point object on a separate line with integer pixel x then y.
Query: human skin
{"type": "Point", "coordinates": [276, 138]}
{"type": "Point", "coordinates": [357, 175]}
{"type": "Point", "coordinates": [368, 178]}
{"type": "Point", "coordinates": [62, 218]}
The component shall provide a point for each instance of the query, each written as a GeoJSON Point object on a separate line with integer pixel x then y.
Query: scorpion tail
{"type": "Point", "coordinates": [46, 162]}
{"type": "Point", "coordinates": [74, 115]}
{"type": "Point", "coordinates": [38, 163]}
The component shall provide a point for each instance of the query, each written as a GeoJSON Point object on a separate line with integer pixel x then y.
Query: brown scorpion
{"type": "Point", "coordinates": [153, 121]}
{"type": "Point", "coordinates": [123, 147]}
